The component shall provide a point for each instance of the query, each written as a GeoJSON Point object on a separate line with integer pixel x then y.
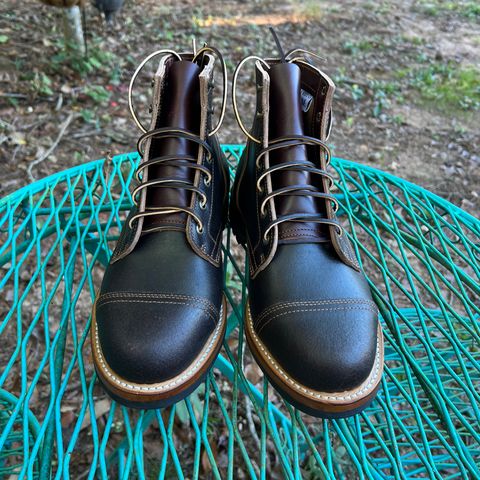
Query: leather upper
{"type": "Point", "coordinates": [310, 304]}
{"type": "Point", "coordinates": [157, 307]}
{"type": "Point", "coordinates": [285, 118]}
{"type": "Point", "coordinates": [316, 317]}
{"type": "Point", "coordinates": [196, 117]}
{"type": "Point", "coordinates": [161, 296]}
{"type": "Point", "coordinates": [246, 200]}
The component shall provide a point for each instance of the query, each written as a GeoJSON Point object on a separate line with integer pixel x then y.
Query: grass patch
{"type": "Point", "coordinates": [353, 48]}
{"type": "Point", "coordinates": [465, 8]}
{"type": "Point", "coordinates": [311, 9]}
{"type": "Point", "coordinates": [382, 92]}
{"type": "Point", "coordinates": [446, 85]}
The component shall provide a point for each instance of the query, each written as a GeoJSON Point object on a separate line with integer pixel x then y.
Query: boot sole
{"type": "Point", "coordinates": [316, 403]}
{"type": "Point", "coordinates": [163, 394]}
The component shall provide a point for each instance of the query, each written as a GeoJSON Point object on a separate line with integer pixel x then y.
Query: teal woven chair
{"type": "Point", "coordinates": [422, 258]}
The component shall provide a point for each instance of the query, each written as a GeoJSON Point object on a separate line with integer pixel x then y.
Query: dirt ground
{"type": "Point", "coordinates": [407, 77]}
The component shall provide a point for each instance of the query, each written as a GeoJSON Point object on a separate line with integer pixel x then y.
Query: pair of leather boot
{"type": "Point", "coordinates": [160, 316]}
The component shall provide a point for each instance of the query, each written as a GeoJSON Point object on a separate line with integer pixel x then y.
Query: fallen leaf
{"type": "Point", "coordinates": [253, 373]}
{"type": "Point", "coordinates": [101, 408]}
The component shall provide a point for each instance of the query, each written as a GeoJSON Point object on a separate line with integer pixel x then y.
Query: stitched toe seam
{"type": "Point", "coordinates": [350, 303]}
{"type": "Point", "coordinates": [301, 310]}
{"type": "Point", "coordinates": [143, 296]}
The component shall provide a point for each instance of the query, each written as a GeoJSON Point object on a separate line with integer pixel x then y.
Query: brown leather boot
{"type": "Point", "coordinates": [160, 316]}
{"type": "Point", "coordinates": [310, 320]}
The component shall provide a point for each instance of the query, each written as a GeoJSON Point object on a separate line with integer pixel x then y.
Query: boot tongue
{"type": "Point", "coordinates": [286, 118]}
{"type": "Point", "coordinates": [179, 108]}
{"type": "Point", "coordinates": [285, 102]}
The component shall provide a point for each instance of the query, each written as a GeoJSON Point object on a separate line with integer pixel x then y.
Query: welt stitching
{"type": "Point", "coordinates": [364, 307]}
{"type": "Point", "coordinates": [347, 301]}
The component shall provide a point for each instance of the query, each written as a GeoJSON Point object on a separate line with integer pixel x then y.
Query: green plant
{"type": "Point", "coordinates": [357, 92]}
{"type": "Point", "coordinates": [181, 409]}
{"type": "Point", "coordinates": [383, 92]}
{"type": "Point", "coordinates": [232, 280]}
{"type": "Point", "coordinates": [446, 85]}
{"type": "Point", "coordinates": [98, 93]}
{"type": "Point", "coordinates": [466, 8]}
{"type": "Point", "coordinates": [353, 48]}
{"type": "Point", "coordinates": [97, 59]}
{"type": "Point", "coordinates": [41, 83]}
{"type": "Point", "coordinates": [311, 9]}
{"type": "Point", "coordinates": [87, 115]}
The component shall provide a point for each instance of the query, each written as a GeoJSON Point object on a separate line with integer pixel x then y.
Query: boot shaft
{"type": "Point", "coordinates": [282, 179]}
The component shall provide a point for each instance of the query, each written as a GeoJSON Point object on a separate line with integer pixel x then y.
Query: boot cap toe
{"type": "Point", "coordinates": [327, 346]}
{"type": "Point", "coordinates": [149, 338]}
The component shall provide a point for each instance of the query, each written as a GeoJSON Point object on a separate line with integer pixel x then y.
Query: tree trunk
{"type": "Point", "coordinates": [72, 26]}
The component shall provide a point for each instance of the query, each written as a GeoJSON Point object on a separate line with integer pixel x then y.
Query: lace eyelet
{"type": "Point", "coordinates": [199, 229]}
{"type": "Point", "coordinates": [209, 158]}
{"type": "Point", "coordinates": [265, 240]}
{"type": "Point", "coordinates": [263, 213]}
{"type": "Point", "coordinates": [207, 181]}
{"type": "Point", "coordinates": [202, 204]}
{"type": "Point", "coordinates": [259, 189]}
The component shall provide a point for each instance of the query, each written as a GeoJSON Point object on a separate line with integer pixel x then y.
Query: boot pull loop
{"type": "Point", "coordinates": [303, 55]}
{"type": "Point", "coordinates": [213, 50]}
{"type": "Point", "coordinates": [134, 77]}
{"type": "Point", "coordinates": [234, 94]}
